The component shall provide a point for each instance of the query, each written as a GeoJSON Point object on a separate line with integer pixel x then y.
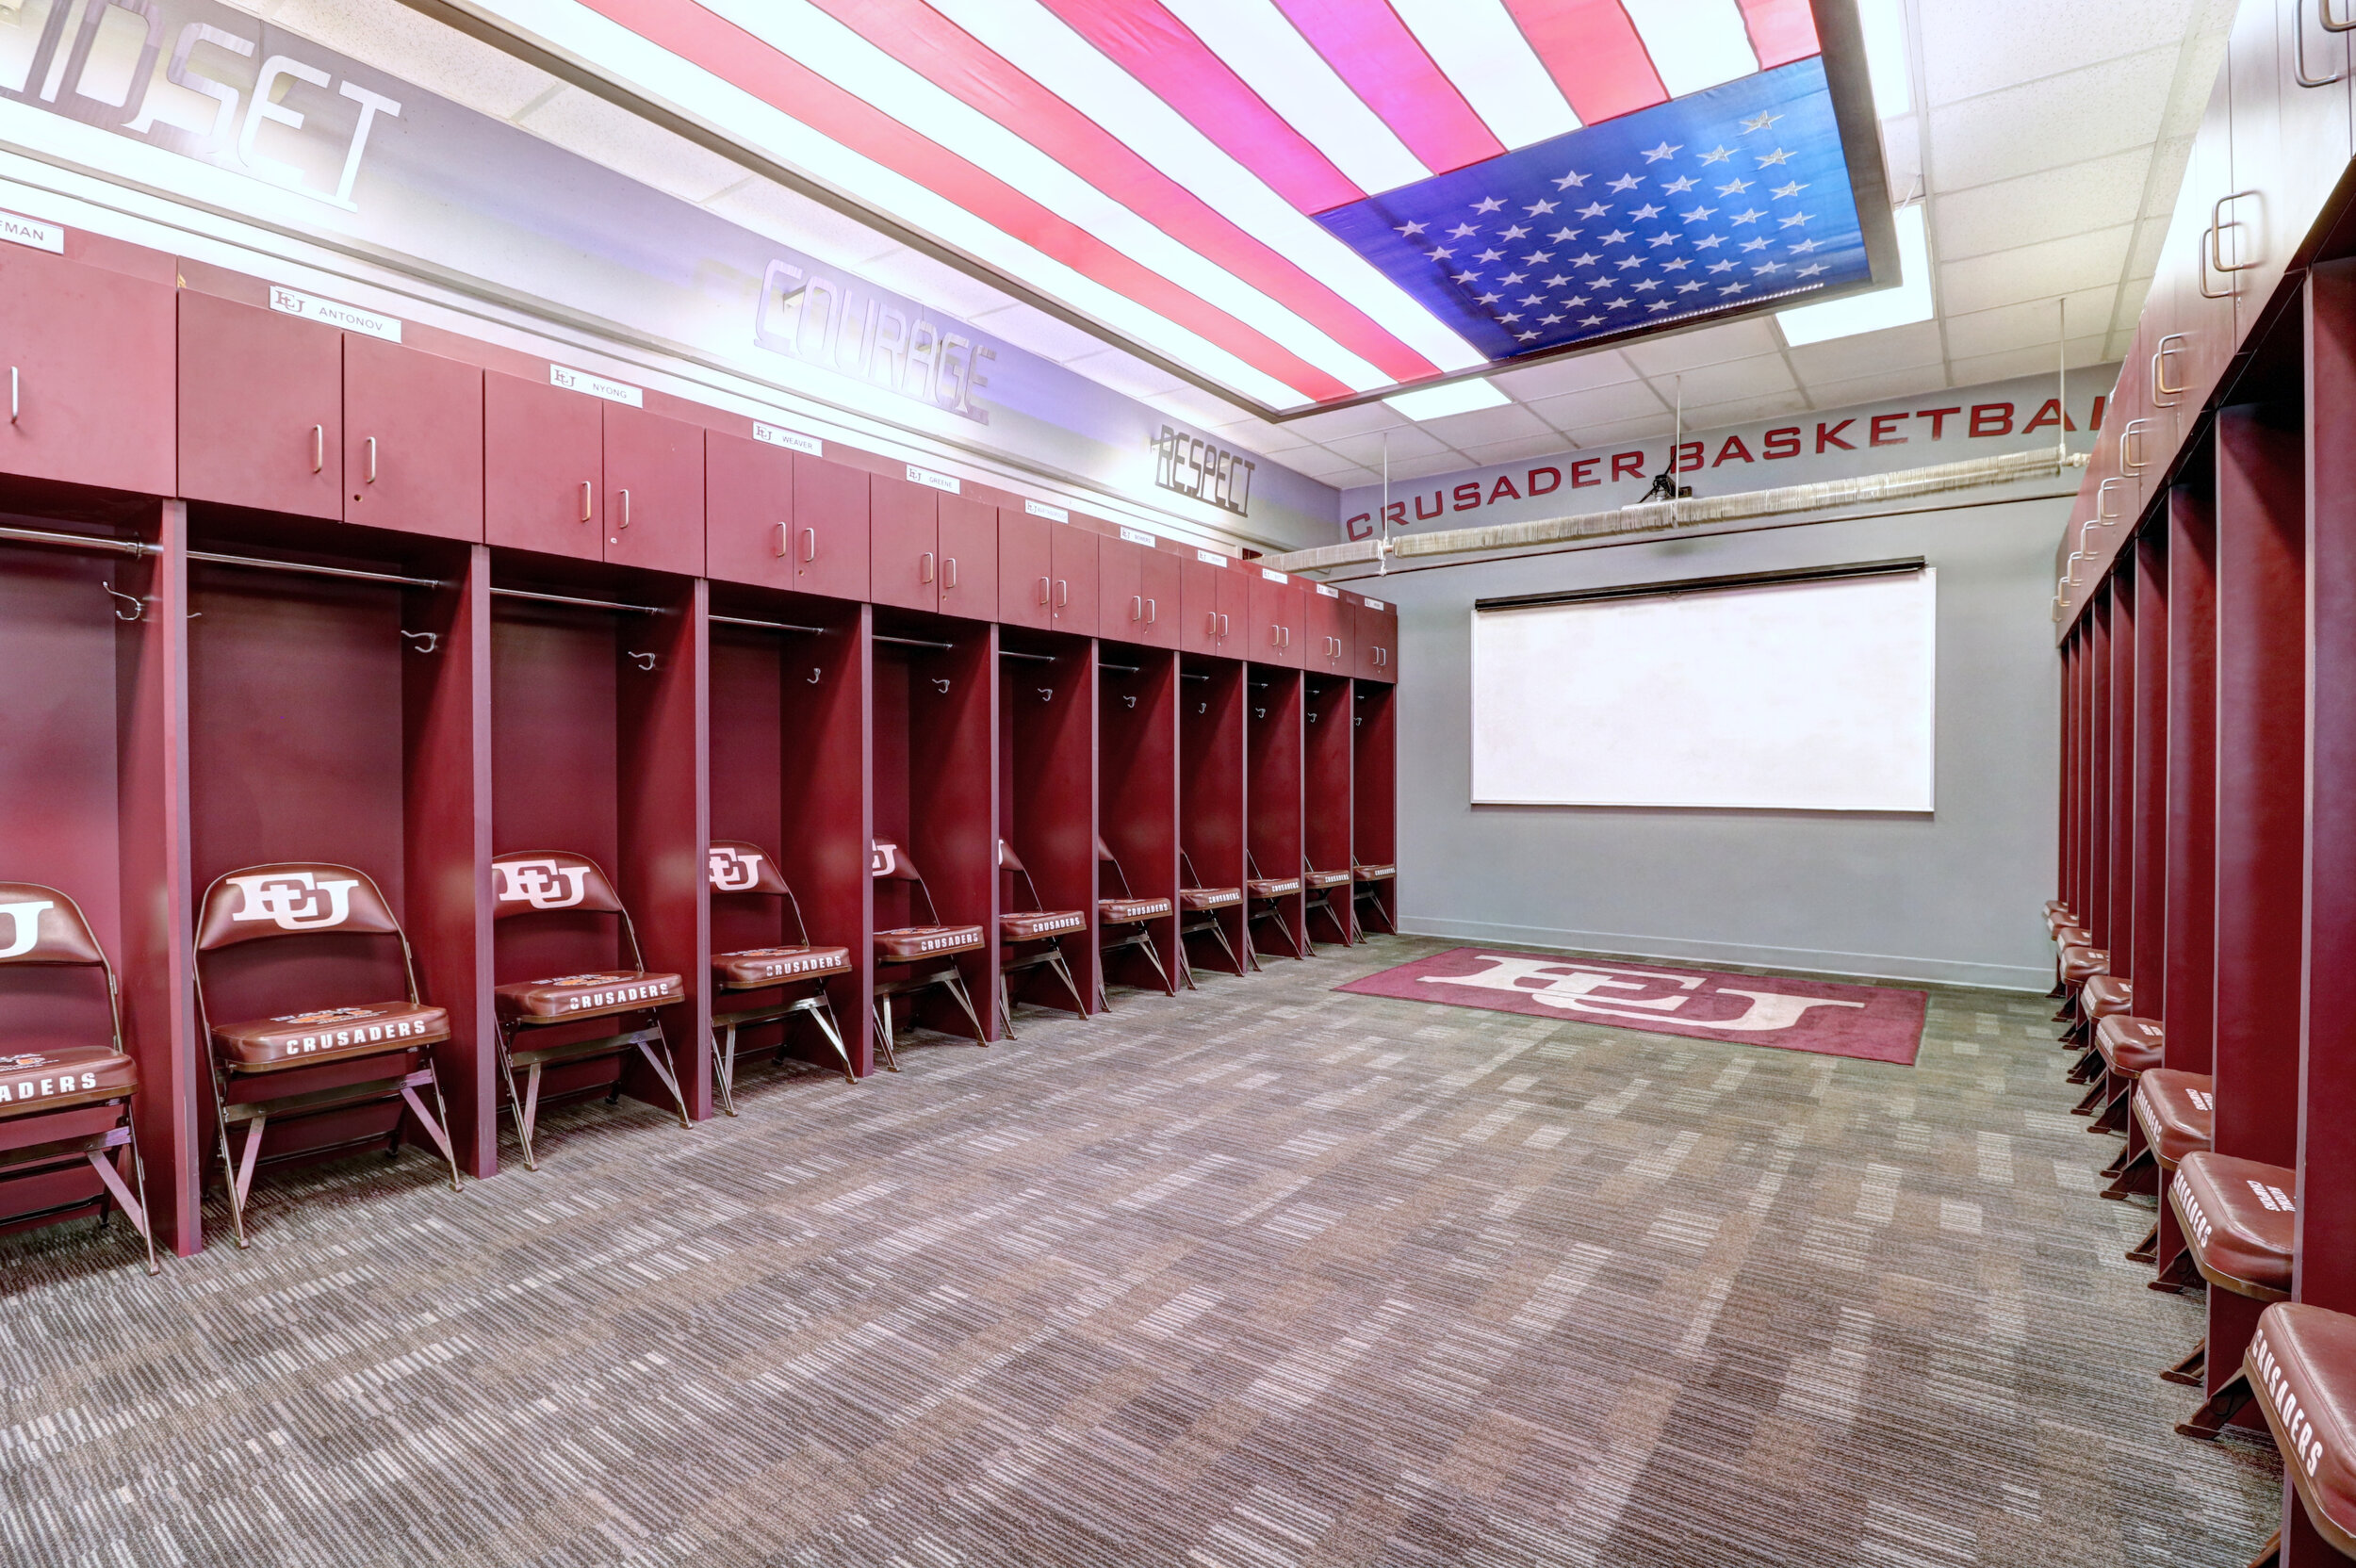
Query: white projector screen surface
{"type": "Point", "coordinates": [1811, 696]}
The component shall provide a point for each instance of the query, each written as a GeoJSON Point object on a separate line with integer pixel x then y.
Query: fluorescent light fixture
{"type": "Point", "coordinates": [1909, 302]}
{"type": "Point", "coordinates": [1438, 402]}
{"type": "Point", "coordinates": [1884, 25]}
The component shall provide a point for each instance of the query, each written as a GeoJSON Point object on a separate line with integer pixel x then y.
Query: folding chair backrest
{"type": "Point", "coordinates": [292, 898]}
{"type": "Point", "coordinates": [738, 866]}
{"type": "Point", "coordinates": [891, 863]}
{"type": "Point", "coordinates": [1012, 863]}
{"type": "Point", "coordinates": [41, 925]}
{"type": "Point", "coordinates": [547, 881]}
{"type": "Point", "coordinates": [1105, 856]}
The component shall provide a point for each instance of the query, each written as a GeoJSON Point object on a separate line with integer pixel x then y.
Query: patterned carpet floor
{"type": "Point", "coordinates": [1265, 1277]}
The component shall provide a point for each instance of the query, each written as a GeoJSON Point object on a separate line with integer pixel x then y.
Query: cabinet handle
{"type": "Point", "coordinates": [1210, 623]}
{"type": "Point", "coordinates": [2159, 377]}
{"type": "Point", "coordinates": [1063, 592]}
{"type": "Point", "coordinates": [948, 571]}
{"type": "Point", "coordinates": [625, 522]}
{"type": "Point", "coordinates": [2211, 255]}
{"type": "Point", "coordinates": [318, 449]}
{"type": "Point", "coordinates": [1136, 607]}
{"type": "Point", "coordinates": [16, 388]}
{"type": "Point", "coordinates": [1149, 612]}
{"type": "Point", "coordinates": [810, 544]}
{"type": "Point", "coordinates": [2100, 515]}
{"type": "Point", "coordinates": [924, 567]}
{"type": "Point", "coordinates": [783, 537]}
{"type": "Point", "coordinates": [1223, 625]}
{"type": "Point", "coordinates": [371, 460]}
{"type": "Point", "coordinates": [2131, 433]}
{"type": "Point", "coordinates": [2298, 43]}
{"type": "Point", "coordinates": [588, 501]}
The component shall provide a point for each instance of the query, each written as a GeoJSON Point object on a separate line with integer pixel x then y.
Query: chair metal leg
{"type": "Point", "coordinates": [1218, 933]}
{"type": "Point", "coordinates": [435, 1122]}
{"type": "Point", "coordinates": [1154, 958]}
{"type": "Point", "coordinates": [724, 1070]}
{"type": "Point", "coordinates": [131, 1200]}
{"type": "Point", "coordinates": [883, 1032]}
{"type": "Point", "coordinates": [955, 984]}
{"type": "Point", "coordinates": [1185, 964]}
{"type": "Point", "coordinates": [661, 1062]}
{"type": "Point", "coordinates": [241, 1171]}
{"type": "Point", "coordinates": [2218, 1411]}
{"type": "Point", "coordinates": [1005, 1005]}
{"type": "Point", "coordinates": [823, 1015]}
{"type": "Point", "coordinates": [525, 1105]}
{"type": "Point", "coordinates": [1063, 972]}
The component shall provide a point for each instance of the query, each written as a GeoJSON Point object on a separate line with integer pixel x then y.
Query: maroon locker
{"type": "Point", "coordinates": [1276, 620]}
{"type": "Point", "coordinates": [830, 529]}
{"type": "Point", "coordinates": [1027, 569]}
{"type": "Point", "coordinates": [413, 440]}
{"type": "Point", "coordinates": [1077, 565]}
{"type": "Point", "coordinates": [543, 468]}
{"type": "Point", "coordinates": [1165, 598]}
{"type": "Point", "coordinates": [1326, 644]}
{"type": "Point", "coordinates": [1198, 592]}
{"type": "Point", "coordinates": [969, 559]}
{"type": "Point", "coordinates": [261, 408]}
{"type": "Point", "coordinates": [1377, 635]}
{"type": "Point", "coordinates": [749, 527]}
{"type": "Point", "coordinates": [654, 490]}
{"type": "Point", "coordinates": [903, 544]}
{"type": "Point", "coordinates": [1120, 589]}
{"type": "Point", "coordinates": [89, 363]}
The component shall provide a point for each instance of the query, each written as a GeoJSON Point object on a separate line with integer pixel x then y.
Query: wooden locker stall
{"type": "Point", "coordinates": [1047, 805]}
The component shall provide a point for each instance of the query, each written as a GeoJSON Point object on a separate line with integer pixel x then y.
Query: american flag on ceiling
{"type": "Point", "coordinates": [1269, 192]}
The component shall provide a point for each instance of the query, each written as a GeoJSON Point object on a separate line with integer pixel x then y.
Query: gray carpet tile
{"type": "Point", "coordinates": [1265, 1277]}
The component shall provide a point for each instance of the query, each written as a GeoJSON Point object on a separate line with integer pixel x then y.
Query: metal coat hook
{"type": "Point", "coordinates": [645, 660]}
{"type": "Point", "coordinates": [1130, 701]}
{"type": "Point", "coordinates": [138, 607]}
{"type": "Point", "coordinates": [1259, 712]}
{"type": "Point", "coordinates": [815, 673]}
{"type": "Point", "coordinates": [1202, 708]}
{"type": "Point", "coordinates": [426, 641]}
{"type": "Point", "coordinates": [942, 685]}
{"type": "Point", "coordinates": [1313, 718]}
{"type": "Point", "coordinates": [1046, 693]}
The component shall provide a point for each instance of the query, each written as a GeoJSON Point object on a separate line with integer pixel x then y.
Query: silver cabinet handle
{"type": "Point", "coordinates": [371, 460]}
{"type": "Point", "coordinates": [2298, 43]}
{"type": "Point", "coordinates": [810, 544]}
{"type": "Point", "coordinates": [625, 522]}
{"type": "Point", "coordinates": [1063, 592]}
{"type": "Point", "coordinates": [2099, 516]}
{"type": "Point", "coordinates": [784, 535]}
{"type": "Point", "coordinates": [1149, 612]}
{"type": "Point", "coordinates": [1136, 607]}
{"type": "Point", "coordinates": [1044, 590]}
{"type": "Point", "coordinates": [2133, 432]}
{"type": "Point", "coordinates": [1210, 623]}
{"type": "Point", "coordinates": [2212, 256]}
{"type": "Point", "coordinates": [588, 501]}
{"type": "Point", "coordinates": [318, 449]}
{"type": "Point", "coordinates": [1275, 636]}
{"type": "Point", "coordinates": [1222, 625]}
{"type": "Point", "coordinates": [924, 567]}
{"type": "Point", "coordinates": [2163, 394]}
{"type": "Point", "coordinates": [16, 387]}
{"type": "Point", "coordinates": [948, 571]}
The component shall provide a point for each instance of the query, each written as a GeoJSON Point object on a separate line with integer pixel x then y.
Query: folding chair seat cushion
{"type": "Point", "coordinates": [2239, 1218]}
{"type": "Point", "coordinates": [2131, 1046]}
{"type": "Point", "coordinates": [911, 944]}
{"type": "Point", "coordinates": [1272, 887]}
{"type": "Point", "coordinates": [1129, 911]}
{"type": "Point", "coordinates": [569, 996]}
{"type": "Point", "coordinates": [770, 966]}
{"type": "Point", "coordinates": [1209, 898]}
{"type": "Point", "coordinates": [2055, 907]}
{"type": "Point", "coordinates": [329, 1034]}
{"type": "Point", "coordinates": [1383, 873]}
{"type": "Point", "coordinates": [2302, 1367]}
{"type": "Point", "coordinates": [56, 1077]}
{"type": "Point", "coordinates": [1038, 926]}
{"type": "Point", "coordinates": [2177, 1113]}
{"type": "Point", "coordinates": [1325, 878]}
{"type": "Point", "coordinates": [2081, 964]}
{"type": "Point", "coordinates": [2103, 995]}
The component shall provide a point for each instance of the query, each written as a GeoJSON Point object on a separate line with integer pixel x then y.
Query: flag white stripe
{"type": "Point", "coordinates": [1694, 43]}
{"type": "Point", "coordinates": [1477, 46]}
{"type": "Point", "coordinates": [810, 35]}
{"type": "Point", "coordinates": [1262, 46]}
{"type": "Point", "coordinates": [1038, 42]}
{"type": "Point", "coordinates": [698, 94]}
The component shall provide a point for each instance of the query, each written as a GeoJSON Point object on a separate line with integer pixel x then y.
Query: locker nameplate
{"type": "Point", "coordinates": [350, 318]}
{"type": "Point", "coordinates": [597, 386]}
{"type": "Point", "coordinates": [1053, 514]}
{"type": "Point", "coordinates": [1274, 576]}
{"type": "Point", "coordinates": [937, 482]}
{"type": "Point", "coordinates": [1138, 537]}
{"type": "Point", "coordinates": [19, 230]}
{"type": "Point", "coordinates": [1211, 557]}
{"type": "Point", "coordinates": [791, 440]}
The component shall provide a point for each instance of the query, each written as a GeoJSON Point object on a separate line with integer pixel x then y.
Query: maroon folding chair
{"type": "Point", "coordinates": [1200, 907]}
{"type": "Point", "coordinates": [744, 869]}
{"type": "Point", "coordinates": [65, 1104]}
{"type": "Point", "coordinates": [1266, 893]}
{"type": "Point", "coordinates": [1033, 938]}
{"type": "Point", "coordinates": [911, 951]}
{"type": "Point", "coordinates": [382, 1051]}
{"type": "Point", "coordinates": [559, 882]}
{"type": "Point", "coordinates": [1366, 893]}
{"type": "Point", "coordinates": [1321, 885]}
{"type": "Point", "coordinates": [1131, 917]}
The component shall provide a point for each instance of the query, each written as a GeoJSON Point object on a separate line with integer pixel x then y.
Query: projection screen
{"type": "Point", "coordinates": [1802, 692]}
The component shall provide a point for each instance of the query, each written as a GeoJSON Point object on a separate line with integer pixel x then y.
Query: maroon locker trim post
{"type": "Point", "coordinates": [2190, 983]}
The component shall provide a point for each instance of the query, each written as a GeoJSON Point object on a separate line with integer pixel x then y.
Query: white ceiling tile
{"type": "Point", "coordinates": [1868, 352]}
{"type": "Point", "coordinates": [2062, 120]}
{"type": "Point", "coordinates": [1125, 373]}
{"type": "Point", "coordinates": [1741, 410]}
{"type": "Point", "coordinates": [1319, 463]}
{"type": "Point", "coordinates": [410, 46]}
{"type": "Point", "coordinates": [2048, 205]}
{"type": "Point", "coordinates": [1979, 370]}
{"type": "Point", "coordinates": [1619, 430]}
{"type": "Point", "coordinates": [2143, 257]}
{"type": "Point", "coordinates": [2035, 271]}
{"type": "Point", "coordinates": [1410, 470]}
{"type": "Point", "coordinates": [791, 218]}
{"type": "Point", "coordinates": [1512, 422]}
{"type": "Point", "coordinates": [1703, 346]}
{"type": "Point", "coordinates": [1577, 373]}
{"type": "Point", "coordinates": [1403, 445]}
{"type": "Point", "coordinates": [1874, 389]}
{"type": "Point", "coordinates": [1357, 421]}
{"type": "Point", "coordinates": [1053, 338]}
{"type": "Point", "coordinates": [1515, 451]}
{"type": "Point", "coordinates": [938, 285]}
{"type": "Point", "coordinates": [1196, 407]}
{"type": "Point", "coordinates": [1600, 405]}
{"type": "Point", "coordinates": [585, 123]}
{"type": "Point", "coordinates": [2025, 326]}
{"type": "Point", "coordinates": [1975, 46]}
{"type": "Point", "coordinates": [1762, 375]}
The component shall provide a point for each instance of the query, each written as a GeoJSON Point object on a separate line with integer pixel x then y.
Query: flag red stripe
{"type": "Point", "coordinates": [1370, 49]}
{"type": "Point", "coordinates": [1143, 38]}
{"type": "Point", "coordinates": [1593, 52]}
{"type": "Point", "coordinates": [739, 58]}
{"type": "Point", "coordinates": [959, 63]}
{"type": "Point", "coordinates": [1782, 31]}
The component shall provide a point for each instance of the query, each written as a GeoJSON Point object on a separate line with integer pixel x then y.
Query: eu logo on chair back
{"type": "Point", "coordinates": [294, 901]}
{"type": "Point", "coordinates": [23, 930]}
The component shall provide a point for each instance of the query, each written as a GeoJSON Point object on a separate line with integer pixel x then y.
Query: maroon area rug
{"type": "Point", "coordinates": [1874, 1023]}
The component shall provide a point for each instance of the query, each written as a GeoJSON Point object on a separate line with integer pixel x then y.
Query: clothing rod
{"type": "Point", "coordinates": [131, 547]}
{"type": "Point", "coordinates": [309, 570]}
{"type": "Point", "coordinates": [916, 642]}
{"type": "Point", "coordinates": [1034, 657]}
{"type": "Point", "coordinates": [561, 598]}
{"type": "Point", "coordinates": [768, 626]}
{"type": "Point", "coordinates": [1118, 669]}
{"type": "Point", "coordinates": [1194, 678]}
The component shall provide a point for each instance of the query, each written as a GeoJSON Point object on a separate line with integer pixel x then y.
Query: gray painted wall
{"type": "Point", "coordinates": [1951, 896]}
